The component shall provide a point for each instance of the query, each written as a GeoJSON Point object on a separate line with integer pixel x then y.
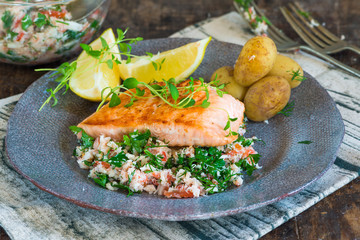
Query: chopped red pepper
{"type": "Point", "coordinates": [165, 156]}
{"type": "Point", "coordinates": [19, 36]}
{"type": "Point", "coordinates": [53, 13]}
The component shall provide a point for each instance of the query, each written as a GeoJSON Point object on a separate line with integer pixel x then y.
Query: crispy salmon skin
{"type": "Point", "coordinates": [194, 126]}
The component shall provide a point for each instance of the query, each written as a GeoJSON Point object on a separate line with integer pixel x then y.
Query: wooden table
{"type": "Point", "coordinates": [335, 217]}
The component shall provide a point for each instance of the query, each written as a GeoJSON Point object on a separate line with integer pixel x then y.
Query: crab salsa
{"type": "Point", "coordinates": [43, 33]}
{"type": "Point", "coordinates": [142, 163]}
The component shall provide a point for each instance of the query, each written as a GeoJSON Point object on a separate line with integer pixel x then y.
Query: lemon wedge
{"type": "Point", "coordinates": [91, 77]}
{"type": "Point", "coordinates": [178, 63]}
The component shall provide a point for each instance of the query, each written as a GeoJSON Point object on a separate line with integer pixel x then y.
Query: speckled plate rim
{"type": "Point", "coordinates": [170, 217]}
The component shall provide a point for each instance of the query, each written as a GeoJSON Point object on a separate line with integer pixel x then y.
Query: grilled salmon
{"type": "Point", "coordinates": [194, 126]}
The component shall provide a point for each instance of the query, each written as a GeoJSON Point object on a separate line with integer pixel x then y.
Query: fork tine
{"type": "Point", "coordinates": [297, 11]}
{"type": "Point", "coordinates": [321, 28]}
{"type": "Point", "coordinates": [303, 28]}
{"type": "Point", "coordinates": [297, 27]}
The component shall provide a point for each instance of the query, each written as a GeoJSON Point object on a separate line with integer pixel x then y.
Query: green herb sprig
{"type": "Point", "coordinates": [65, 71]}
{"type": "Point", "coordinates": [297, 76]}
{"type": "Point", "coordinates": [165, 91]}
{"type": "Point", "coordinates": [168, 92]}
{"type": "Point", "coordinates": [288, 109]}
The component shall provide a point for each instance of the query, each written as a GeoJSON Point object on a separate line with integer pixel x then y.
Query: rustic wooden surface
{"type": "Point", "coordinates": [335, 217]}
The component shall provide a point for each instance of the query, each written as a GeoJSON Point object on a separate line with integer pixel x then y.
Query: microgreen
{"type": "Point", "coordinates": [62, 74]}
{"type": "Point", "coordinates": [65, 71]}
{"type": "Point", "coordinates": [182, 96]}
{"type": "Point", "coordinates": [305, 142]}
{"type": "Point", "coordinates": [288, 109]}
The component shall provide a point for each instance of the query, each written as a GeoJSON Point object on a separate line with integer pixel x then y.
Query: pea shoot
{"type": "Point", "coordinates": [64, 72]}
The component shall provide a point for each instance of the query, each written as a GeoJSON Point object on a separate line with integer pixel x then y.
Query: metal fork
{"type": "Point", "coordinates": [284, 43]}
{"type": "Point", "coordinates": [313, 33]}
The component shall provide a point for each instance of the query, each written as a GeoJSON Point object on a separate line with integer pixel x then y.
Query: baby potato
{"type": "Point", "coordinates": [225, 75]}
{"type": "Point", "coordinates": [289, 69]}
{"type": "Point", "coordinates": [266, 98]}
{"type": "Point", "coordinates": [256, 59]}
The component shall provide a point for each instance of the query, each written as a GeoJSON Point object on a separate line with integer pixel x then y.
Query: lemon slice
{"type": "Point", "coordinates": [90, 77]}
{"type": "Point", "coordinates": [179, 63]}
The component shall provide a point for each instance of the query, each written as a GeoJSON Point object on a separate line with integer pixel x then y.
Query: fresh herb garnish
{"type": "Point", "coordinates": [155, 161]}
{"type": "Point", "coordinates": [41, 20]}
{"type": "Point", "coordinates": [249, 167]}
{"type": "Point", "coordinates": [62, 74]}
{"type": "Point", "coordinates": [305, 142]}
{"type": "Point", "coordinates": [288, 109]}
{"type": "Point", "coordinates": [137, 141]}
{"type": "Point", "coordinates": [168, 91]}
{"type": "Point", "coordinates": [65, 71]}
{"type": "Point", "coordinates": [87, 163]}
{"type": "Point", "coordinates": [176, 96]}
{"type": "Point", "coordinates": [26, 22]}
{"type": "Point", "coordinates": [122, 186]}
{"type": "Point", "coordinates": [207, 164]}
{"type": "Point", "coordinates": [101, 179]}
{"type": "Point", "coordinates": [118, 160]}
{"type": "Point", "coordinates": [7, 19]}
{"type": "Point", "coordinates": [86, 141]}
{"type": "Point", "coordinates": [297, 76]}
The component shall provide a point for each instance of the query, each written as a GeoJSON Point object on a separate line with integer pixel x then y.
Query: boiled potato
{"type": "Point", "coordinates": [256, 59]}
{"type": "Point", "coordinates": [225, 75]}
{"type": "Point", "coordinates": [289, 69]}
{"type": "Point", "coordinates": [265, 98]}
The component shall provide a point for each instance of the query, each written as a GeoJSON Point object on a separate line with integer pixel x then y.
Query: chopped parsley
{"type": "Point", "coordinates": [207, 164]}
{"type": "Point", "coordinates": [7, 19]}
{"type": "Point", "coordinates": [101, 179]}
{"type": "Point", "coordinates": [118, 160]}
{"type": "Point", "coordinates": [26, 22]}
{"type": "Point", "coordinates": [86, 141]}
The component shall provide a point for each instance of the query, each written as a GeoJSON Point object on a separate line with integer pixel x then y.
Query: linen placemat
{"type": "Point", "coordinates": [28, 213]}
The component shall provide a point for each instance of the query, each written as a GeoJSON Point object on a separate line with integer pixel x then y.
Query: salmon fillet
{"type": "Point", "coordinates": [194, 126]}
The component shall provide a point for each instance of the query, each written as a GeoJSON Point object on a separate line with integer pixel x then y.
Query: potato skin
{"type": "Point", "coordinates": [225, 75]}
{"type": "Point", "coordinates": [266, 98]}
{"type": "Point", "coordinates": [285, 67]}
{"type": "Point", "coordinates": [256, 59]}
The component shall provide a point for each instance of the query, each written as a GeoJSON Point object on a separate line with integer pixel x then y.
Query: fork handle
{"type": "Point", "coordinates": [331, 60]}
{"type": "Point", "coordinates": [353, 48]}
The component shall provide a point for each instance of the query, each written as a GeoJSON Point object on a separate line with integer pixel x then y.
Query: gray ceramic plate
{"type": "Point", "coordinates": [40, 147]}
